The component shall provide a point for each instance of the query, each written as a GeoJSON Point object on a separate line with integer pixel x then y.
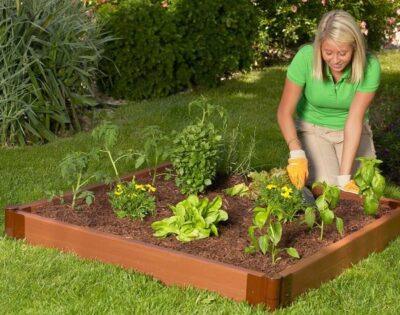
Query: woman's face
{"type": "Point", "coordinates": [337, 56]}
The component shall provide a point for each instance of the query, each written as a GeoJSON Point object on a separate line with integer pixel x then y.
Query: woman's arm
{"type": "Point", "coordinates": [353, 129]}
{"type": "Point", "coordinates": [290, 97]}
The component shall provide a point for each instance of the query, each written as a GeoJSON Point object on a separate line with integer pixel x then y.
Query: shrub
{"type": "Point", "coordinates": [141, 62]}
{"type": "Point", "coordinates": [287, 24]}
{"type": "Point", "coordinates": [50, 50]}
{"type": "Point", "coordinates": [165, 47]}
{"type": "Point", "coordinates": [217, 37]}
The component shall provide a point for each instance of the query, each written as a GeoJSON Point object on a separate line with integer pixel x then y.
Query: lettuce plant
{"type": "Point", "coordinates": [324, 204]}
{"type": "Point", "coordinates": [371, 183]}
{"type": "Point", "coordinates": [193, 219]}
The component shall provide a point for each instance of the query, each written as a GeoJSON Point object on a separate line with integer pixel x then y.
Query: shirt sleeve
{"type": "Point", "coordinates": [372, 76]}
{"type": "Point", "coordinates": [297, 69]}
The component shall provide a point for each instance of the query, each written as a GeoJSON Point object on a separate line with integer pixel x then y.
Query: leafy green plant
{"type": "Point", "coordinates": [106, 135]}
{"type": "Point", "coordinates": [133, 200]}
{"type": "Point", "coordinates": [193, 219]}
{"type": "Point", "coordinates": [74, 169]}
{"type": "Point", "coordinates": [154, 149]}
{"type": "Point", "coordinates": [196, 150]}
{"type": "Point", "coordinates": [49, 56]}
{"type": "Point", "coordinates": [266, 233]}
{"type": "Point", "coordinates": [371, 183]}
{"type": "Point", "coordinates": [241, 190]}
{"type": "Point", "coordinates": [275, 188]}
{"type": "Point", "coordinates": [325, 204]}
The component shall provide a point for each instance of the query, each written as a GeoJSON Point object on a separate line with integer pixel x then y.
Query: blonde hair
{"type": "Point", "coordinates": [340, 26]}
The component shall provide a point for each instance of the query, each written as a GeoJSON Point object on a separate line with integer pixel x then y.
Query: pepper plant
{"type": "Point", "coordinates": [74, 169]}
{"type": "Point", "coordinates": [371, 183]}
{"type": "Point", "coordinates": [324, 205]}
{"type": "Point", "coordinates": [266, 233]}
{"type": "Point", "coordinates": [193, 219]}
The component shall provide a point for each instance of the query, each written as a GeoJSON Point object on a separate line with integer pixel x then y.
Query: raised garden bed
{"type": "Point", "coordinates": [219, 264]}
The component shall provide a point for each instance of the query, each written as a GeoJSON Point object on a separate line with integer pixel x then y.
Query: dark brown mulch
{"type": "Point", "coordinates": [229, 246]}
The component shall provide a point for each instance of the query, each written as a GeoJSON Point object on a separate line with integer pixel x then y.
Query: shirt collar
{"type": "Point", "coordinates": [345, 75]}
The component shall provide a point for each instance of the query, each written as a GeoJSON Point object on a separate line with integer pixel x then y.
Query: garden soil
{"type": "Point", "coordinates": [229, 246]}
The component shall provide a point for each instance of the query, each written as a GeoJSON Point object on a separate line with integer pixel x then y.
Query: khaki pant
{"type": "Point", "coordinates": [324, 147]}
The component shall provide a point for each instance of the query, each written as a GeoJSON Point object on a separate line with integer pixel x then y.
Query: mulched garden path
{"type": "Point", "coordinates": [229, 246]}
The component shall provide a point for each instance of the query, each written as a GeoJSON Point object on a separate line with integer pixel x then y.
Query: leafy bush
{"type": "Point", "coordinates": [287, 24]}
{"type": "Point", "coordinates": [50, 50]}
{"type": "Point", "coordinates": [193, 219]}
{"type": "Point", "coordinates": [133, 200]}
{"type": "Point", "coordinates": [165, 47]}
{"type": "Point", "coordinates": [196, 151]}
{"type": "Point", "coordinates": [141, 62]}
{"type": "Point", "coordinates": [217, 37]}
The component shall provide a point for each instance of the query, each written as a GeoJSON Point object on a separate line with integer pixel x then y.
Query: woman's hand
{"type": "Point", "coordinates": [347, 184]}
{"type": "Point", "coordinates": [298, 168]}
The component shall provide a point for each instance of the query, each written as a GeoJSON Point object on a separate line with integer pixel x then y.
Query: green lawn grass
{"type": "Point", "coordinates": [35, 280]}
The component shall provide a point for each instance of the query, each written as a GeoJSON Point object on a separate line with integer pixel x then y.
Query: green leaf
{"type": "Point", "coordinates": [215, 205]}
{"type": "Point", "coordinates": [240, 190]}
{"type": "Point", "coordinates": [250, 249]}
{"type": "Point", "coordinates": [140, 160]}
{"type": "Point", "coordinates": [293, 252]}
{"type": "Point", "coordinates": [263, 243]}
{"type": "Point", "coordinates": [378, 184]}
{"type": "Point", "coordinates": [275, 232]}
{"type": "Point", "coordinates": [260, 218]}
{"type": "Point", "coordinates": [309, 217]}
{"type": "Point", "coordinates": [223, 215]}
{"type": "Point", "coordinates": [339, 226]}
{"type": "Point", "coordinates": [321, 203]}
{"type": "Point", "coordinates": [371, 204]}
{"type": "Point", "coordinates": [327, 216]}
{"type": "Point", "coordinates": [367, 172]}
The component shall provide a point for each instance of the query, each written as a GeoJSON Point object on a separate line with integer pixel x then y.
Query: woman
{"type": "Point", "coordinates": [330, 85]}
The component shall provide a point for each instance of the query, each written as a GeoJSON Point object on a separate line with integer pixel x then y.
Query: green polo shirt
{"type": "Point", "coordinates": [325, 102]}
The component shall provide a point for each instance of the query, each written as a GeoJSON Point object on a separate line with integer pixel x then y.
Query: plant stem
{"type": "Point", "coordinates": [113, 164]}
{"type": "Point", "coordinates": [322, 231]}
{"type": "Point", "coordinates": [75, 190]}
{"type": "Point", "coordinates": [155, 171]}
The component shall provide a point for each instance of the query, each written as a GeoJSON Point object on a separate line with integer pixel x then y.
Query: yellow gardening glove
{"type": "Point", "coordinates": [298, 169]}
{"type": "Point", "coordinates": [348, 185]}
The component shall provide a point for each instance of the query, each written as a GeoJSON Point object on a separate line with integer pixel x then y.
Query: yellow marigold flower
{"type": "Point", "coordinates": [271, 186]}
{"type": "Point", "coordinates": [150, 188]}
{"type": "Point", "coordinates": [286, 194]}
{"type": "Point", "coordinates": [287, 189]}
{"type": "Point", "coordinates": [120, 187]}
{"type": "Point", "coordinates": [140, 187]}
{"type": "Point", "coordinates": [117, 192]}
